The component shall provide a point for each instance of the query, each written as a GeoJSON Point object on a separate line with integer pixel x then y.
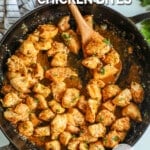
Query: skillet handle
{"type": "Point", "coordinates": [140, 17]}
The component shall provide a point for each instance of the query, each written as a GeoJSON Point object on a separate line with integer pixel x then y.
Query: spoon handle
{"type": "Point", "coordinates": [84, 29]}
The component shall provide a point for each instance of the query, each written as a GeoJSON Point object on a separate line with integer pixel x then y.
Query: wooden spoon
{"type": "Point", "coordinates": [87, 33]}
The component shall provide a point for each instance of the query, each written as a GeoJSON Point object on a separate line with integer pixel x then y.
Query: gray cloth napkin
{"type": "Point", "coordinates": [12, 10]}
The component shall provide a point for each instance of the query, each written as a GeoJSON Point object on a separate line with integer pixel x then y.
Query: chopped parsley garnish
{"type": "Point", "coordinates": [107, 41]}
{"type": "Point", "coordinates": [66, 37]}
{"type": "Point", "coordinates": [115, 138]}
{"type": "Point", "coordinates": [102, 71]}
{"type": "Point", "coordinates": [36, 100]}
{"type": "Point", "coordinates": [100, 119]}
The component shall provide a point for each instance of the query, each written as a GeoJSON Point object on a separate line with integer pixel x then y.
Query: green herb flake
{"type": "Point", "coordinates": [101, 119]}
{"type": "Point", "coordinates": [115, 138]}
{"type": "Point", "coordinates": [66, 37]}
{"type": "Point", "coordinates": [102, 71]}
{"type": "Point", "coordinates": [36, 100]}
{"type": "Point", "coordinates": [86, 145]}
{"type": "Point", "coordinates": [107, 41]}
{"type": "Point", "coordinates": [57, 110]}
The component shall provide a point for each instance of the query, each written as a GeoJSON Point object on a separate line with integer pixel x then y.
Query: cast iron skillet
{"type": "Point", "coordinates": [51, 13]}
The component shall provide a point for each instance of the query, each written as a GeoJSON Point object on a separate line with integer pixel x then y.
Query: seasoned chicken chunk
{"type": "Point", "coordinates": [58, 125]}
{"type": "Point", "coordinates": [91, 62]}
{"type": "Point", "coordinates": [73, 144]}
{"type": "Point", "coordinates": [37, 71]}
{"type": "Point", "coordinates": [42, 131]}
{"type": "Point", "coordinates": [27, 48]}
{"type": "Point", "coordinates": [59, 60]}
{"type": "Point", "coordinates": [53, 145]}
{"type": "Point", "coordinates": [83, 146]}
{"type": "Point", "coordinates": [43, 45]}
{"type": "Point", "coordinates": [70, 98]}
{"type": "Point", "coordinates": [56, 107]}
{"type": "Point", "coordinates": [110, 91]}
{"type": "Point", "coordinates": [41, 89]}
{"type": "Point", "coordinates": [97, 130]}
{"type": "Point", "coordinates": [77, 116]}
{"type": "Point", "coordinates": [133, 112]}
{"type": "Point", "coordinates": [59, 74]}
{"type": "Point", "coordinates": [12, 116]}
{"type": "Point", "coordinates": [11, 99]}
{"type": "Point", "coordinates": [91, 110]}
{"type": "Point", "coordinates": [16, 65]}
{"type": "Point", "coordinates": [65, 137]}
{"type": "Point", "coordinates": [86, 136]}
{"type": "Point", "coordinates": [57, 47]}
{"type": "Point", "coordinates": [121, 124]}
{"type": "Point", "coordinates": [106, 74]}
{"type": "Point", "coordinates": [46, 114]}
{"type": "Point", "coordinates": [26, 128]}
{"type": "Point", "coordinates": [82, 103]}
{"type": "Point", "coordinates": [42, 103]}
{"type": "Point", "coordinates": [22, 109]}
{"type": "Point", "coordinates": [96, 47]}
{"type": "Point", "coordinates": [22, 83]}
{"type": "Point", "coordinates": [94, 91]}
{"type": "Point", "coordinates": [47, 31]}
{"type": "Point", "coordinates": [58, 90]}
{"type": "Point", "coordinates": [34, 119]}
{"type": "Point", "coordinates": [123, 98]}
{"type": "Point", "coordinates": [71, 39]}
{"type": "Point", "coordinates": [96, 146]}
{"type": "Point", "coordinates": [111, 139]}
{"type": "Point", "coordinates": [137, 92]}
{"type": "Point", "coordinates": [63, 24]}
{"type": "Point", "coordinates": [112, 58]}
{"type": "Point", "coordinates": [105, 117]}
{"type": "Point", "coordinates": [31, 102]}
{"type": "Point", "coordinates": [109, 106]}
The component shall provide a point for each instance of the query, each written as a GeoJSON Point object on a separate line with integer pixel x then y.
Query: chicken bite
{"type": "Point", "coordinates": [121, 124]}
{"type": "Point", "coordinates": [65, 137]}
{"type": "Point", "coordinates": [56, 107]}
{"type": "Point", "coordinates": [26, 128]}
{"type": "Point", "coordinates": [133, 112]}
{"type": "Point", "coordinates": [105, 117]}
{"type": "Point", "coordinates": [46, 115]}
{"type": "Point", "coordinates": [71, 39]}
{"type": "Point", "coordinates": [70, 98]}
{"type": "Point", "coordinates": [58, 125]}
{"type": "Point", "coordinates": [41, 89]}
{"type": "Point", "coordinates": [59, 74]}
{"type": "Point", "coordinates": [42, 131]}
{"type": "Point", "coordinates": [123, 98]}
{"type": "Point", "coordinates": [96, 146]}
{"type": "Point", "coordinates": [10, 99]}
{"type": "Point", "coordinates": [137, 92]}
{"type": "Point", "coordinates": [63, 24]}
{"type": "Point", "coordinates": [91, 62]}
{"type": "Point", "coordinates": [59, 60]}
{"type": "Point", "coordinates": [97, 130]}
{"type": "Point", "coordinates": [58, 90]}
{"type": "Point", "coordinates": [91, 110]}
{"type": "Point", "coordinates": [110, 91]}
{"type": "Point", "coordinates": [53, 145]}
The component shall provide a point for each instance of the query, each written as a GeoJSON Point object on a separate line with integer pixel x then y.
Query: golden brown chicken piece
{"type": "Point", "coordinates": [133, 112]}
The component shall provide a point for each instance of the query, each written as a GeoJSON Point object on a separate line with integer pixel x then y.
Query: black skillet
{"type": "Point", "coordinates": [125, 28]}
